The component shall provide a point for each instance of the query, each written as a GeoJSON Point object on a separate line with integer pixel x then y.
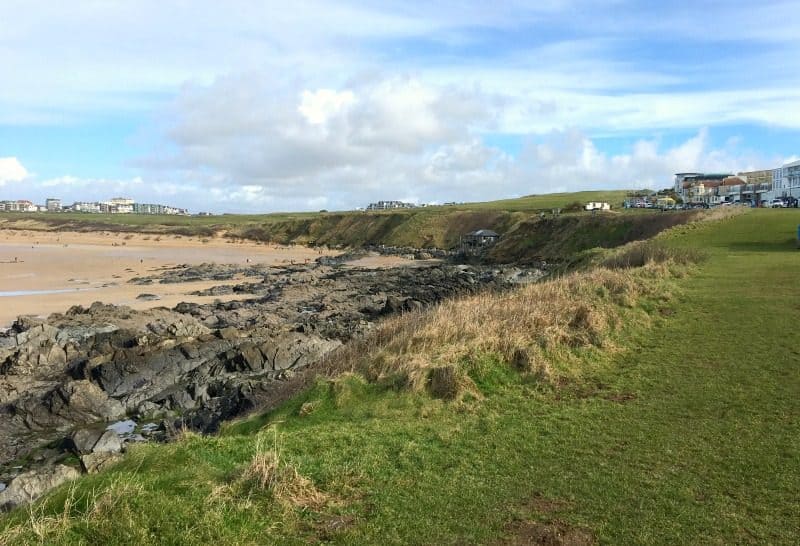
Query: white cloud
{"type": "Point", "coordinates": [321, 105]}
{"type": "Point", "coordinates": [570, 161]}
{"type": "Point", "coordinates": [464, 170]}
{"type": "Point", "coordinates": [11, 170]}
{"type": "Point", "coordinates": [266, 106]}
{"type": "Point", "coordinates": [72, 61]}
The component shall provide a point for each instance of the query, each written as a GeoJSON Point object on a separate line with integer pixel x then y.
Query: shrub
{"type": "Point", "coordinates": [268, 472]}
{"type": "Point", "coordinates": [530, 329]}
{"type": "Point", "coordinates": [641, 253]}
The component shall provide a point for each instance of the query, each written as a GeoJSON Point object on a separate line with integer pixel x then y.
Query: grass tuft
{"type": "Point", "coordinates": [268, 472]}
{"type": "Point", "coordinates": [642, 253]}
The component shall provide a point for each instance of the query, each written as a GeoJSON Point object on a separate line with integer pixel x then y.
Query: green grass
{"type": "Point", "coordinates": [533, 203]}
{"type": "Point", "coordinates": [689, 435]}
{"type": "Point", "coordinates": [432, 226]}
{"type": "Point", "coordinates": [525, 236]}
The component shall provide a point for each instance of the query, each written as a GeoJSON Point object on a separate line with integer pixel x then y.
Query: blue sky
{"type": "Point", "coordinates": [255, 106]}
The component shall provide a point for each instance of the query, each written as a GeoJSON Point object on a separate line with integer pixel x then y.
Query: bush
{"type": "Point", "coordinates": [575, 206]}
{"type": "Point", "coordinates": [641, 253]}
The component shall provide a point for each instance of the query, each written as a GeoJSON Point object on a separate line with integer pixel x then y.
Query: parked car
{"type": "Point", "coordinates": [777, 203]}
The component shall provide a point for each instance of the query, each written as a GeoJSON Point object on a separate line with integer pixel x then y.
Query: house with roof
{"type": "Point", "coordinates": [475, 241]}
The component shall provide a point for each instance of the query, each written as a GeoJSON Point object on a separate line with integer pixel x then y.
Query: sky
{"type": "Point", "coordinates": [260, 106]}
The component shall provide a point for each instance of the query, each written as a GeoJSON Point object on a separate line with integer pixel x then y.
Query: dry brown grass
{"type": "Point", "coordinates": [107, 506]}
{"type": "Point", "coordinates": [529, 328]}
{"type": "Point", "coordinates": [268, 472]}
{"type": "Point", "coordinates": [641, 253]}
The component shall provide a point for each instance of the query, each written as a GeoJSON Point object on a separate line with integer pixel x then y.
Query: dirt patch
{"type": "Point", "coordinates": [556, 533]}
{"type": "Point", "coordinates": [326, 527]}
{"type": "Point", "coordinates": [572, 390]}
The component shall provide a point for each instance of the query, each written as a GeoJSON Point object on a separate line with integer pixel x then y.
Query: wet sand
{"type": "Point", "coordinates": [46, 272]}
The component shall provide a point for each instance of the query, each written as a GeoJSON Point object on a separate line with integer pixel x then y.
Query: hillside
{"type": "Point", "coordinates": [527, 236]}
{"type": "Point", "coordinates": [617, 405]}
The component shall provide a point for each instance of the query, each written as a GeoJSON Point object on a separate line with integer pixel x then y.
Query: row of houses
{"type": "Point", "coordinates": [744, 187]}
{"type": "Point", "coordinates": [390, 205]}
{"type": "Point", "coordinates": [117, 205]}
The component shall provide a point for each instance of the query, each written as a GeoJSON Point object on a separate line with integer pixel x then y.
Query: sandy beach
{"type": "Point", "coordinates": [46, 272]}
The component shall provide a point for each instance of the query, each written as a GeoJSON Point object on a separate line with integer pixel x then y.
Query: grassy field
{"type": "Point", "coordinates": [678, 423]}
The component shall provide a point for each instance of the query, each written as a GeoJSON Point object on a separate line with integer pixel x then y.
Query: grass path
{"type": "Point", "coordinates": [707, 451]}
{"type": "Point", "coordinates": [689, 436]}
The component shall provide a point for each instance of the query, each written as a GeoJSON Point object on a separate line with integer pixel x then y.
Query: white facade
{"type": "Point", "coordinates": [786, 180]}
{"type": "Point", "coordinates": [82, 206]}
{"type": "Point", "coordinates": [679, 178]}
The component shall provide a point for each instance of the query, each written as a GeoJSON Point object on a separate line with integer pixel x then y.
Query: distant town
{"type": "Point", "coordinates": [779, 187]}
{"type": "Point", "coordinates": [392, 205]}
{"type": "Point", "coordinates": [116, 205]}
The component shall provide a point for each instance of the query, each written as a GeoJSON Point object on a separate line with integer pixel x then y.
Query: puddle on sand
{"type": "Point", "coordinates": [12, 293]}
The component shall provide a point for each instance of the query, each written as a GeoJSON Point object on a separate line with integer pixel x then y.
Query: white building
{"type": "Point", "coordinates": [389, 205]}
{"type": "Point", "coordinates": [83, 206]}
{"type": "Point", "coordinates": [118, 205]}
{"type": "Point", "coordinates": [680, 177]}
{"type": "Point", "coordinates": [786, 180]}
{"type": "Point", "coordinates": [597, 205]}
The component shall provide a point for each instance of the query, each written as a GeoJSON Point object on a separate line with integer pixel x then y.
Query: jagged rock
{"type": "Point", "coordinates": [190, 351]}
{"type": "Point", "coordinates": [109, 442]}
{"type": "Point", "coordinates": [251, 358]}
{"type": "Point", "coordinates": [229, 333]}
{"type": "Point", "coordinates": [73, 402]}
{"type": "Point", "coordinates": [186, 329]}
{"type": "Point", "coordinates": [97, 364]}
{"type": "Point", "coordinates": [57, 356]}
{"type": "Point", "coordinates": [29, 486]}
{"type": "Point", "coordinates": [97, 462]}
{"type": "Point", "coordinates": [85, 441]}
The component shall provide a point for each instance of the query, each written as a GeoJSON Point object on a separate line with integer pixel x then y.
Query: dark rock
{"type": "Point", "coordinates": [251, 357]}
{"type": "Point", "coordinates": [75, 402]}
{"type": "Point", "coordinates": [190, 351]}
{"type": "Point", "coordinates": [85, 441]}
{"type": "Point", "coordinates": [210, 361]}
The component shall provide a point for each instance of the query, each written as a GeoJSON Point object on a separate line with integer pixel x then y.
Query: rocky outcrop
{"type": "Point", "coordinates": [196, 365]}
{"type": "Point", "coordinates": [29, 486]}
